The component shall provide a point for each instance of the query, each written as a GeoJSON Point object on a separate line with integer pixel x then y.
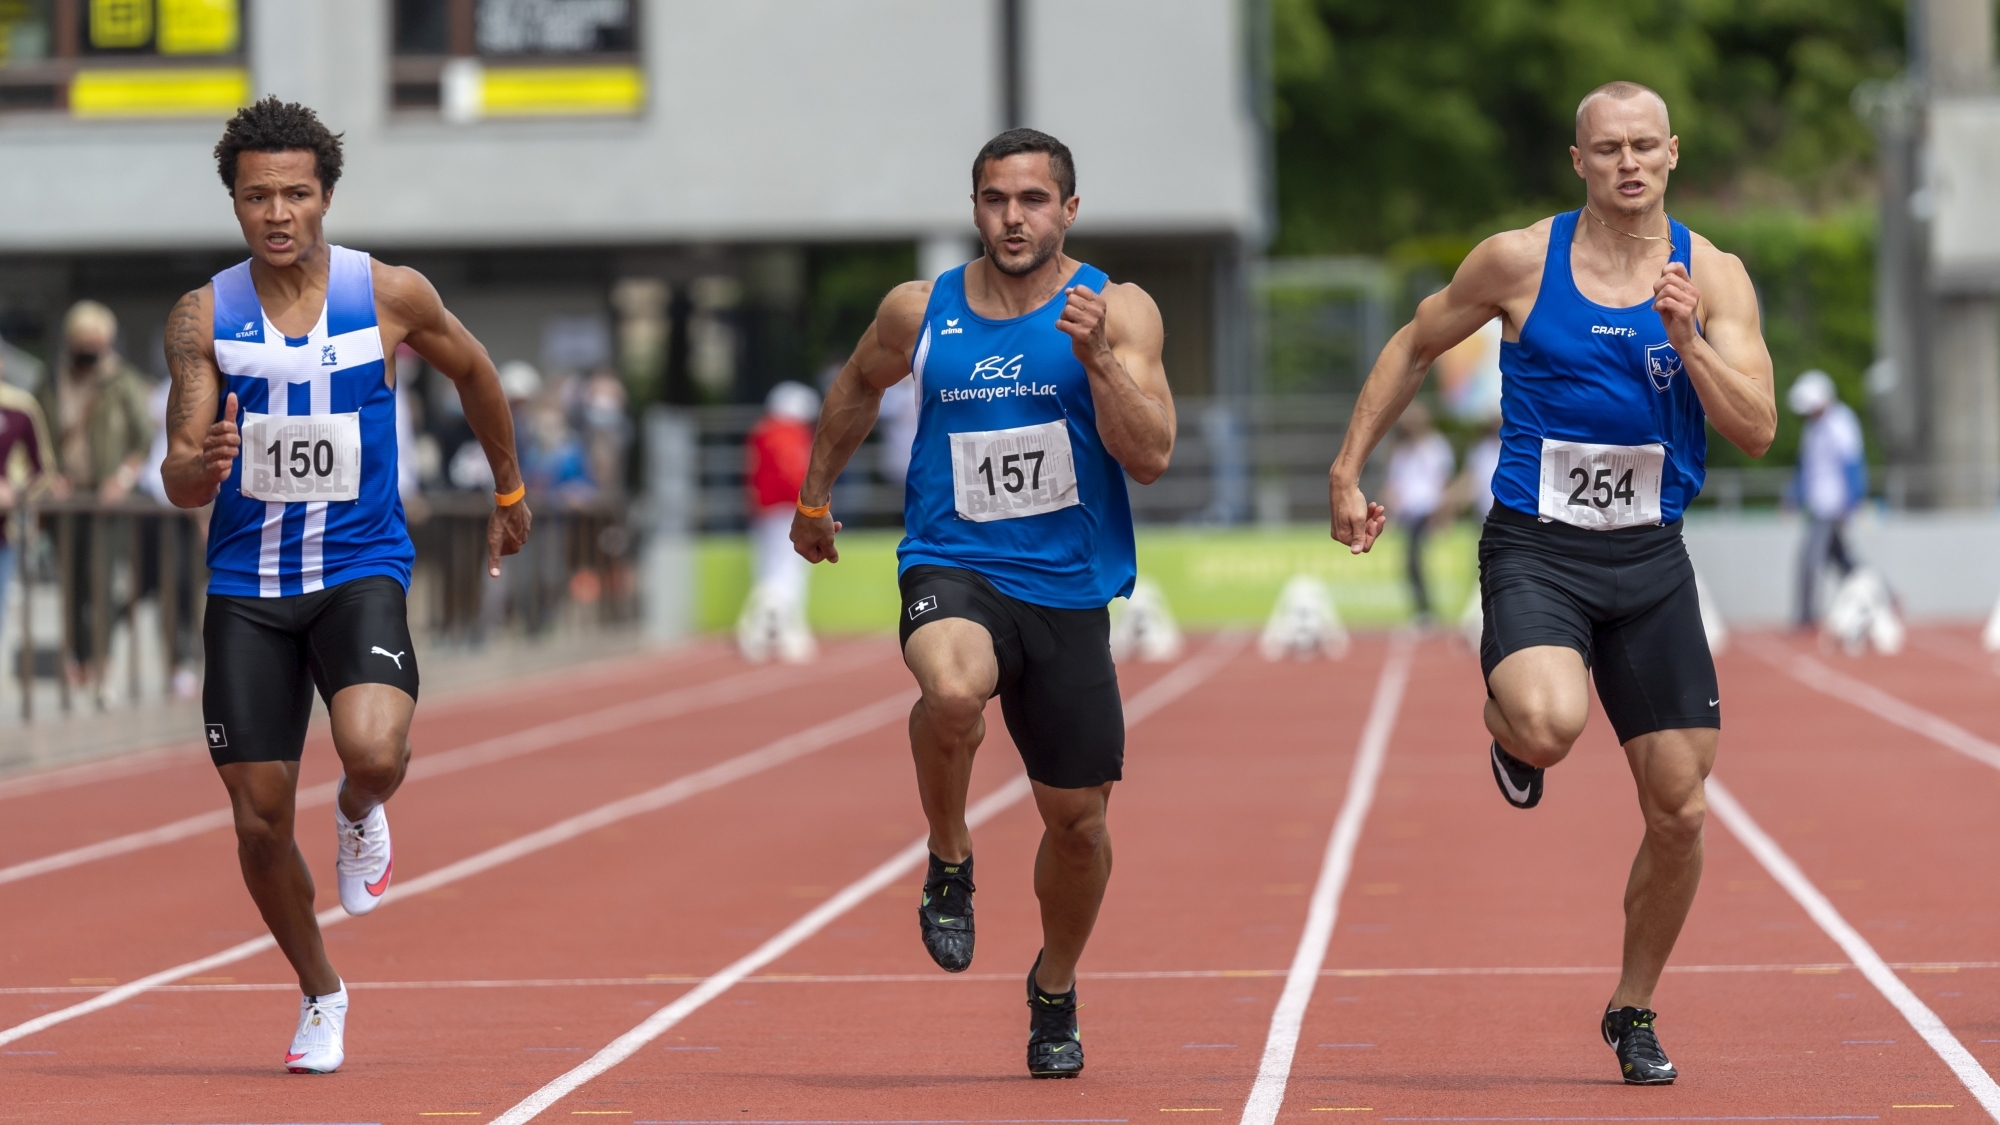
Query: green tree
{"type": "Point", "coordinates": [1406, 119]}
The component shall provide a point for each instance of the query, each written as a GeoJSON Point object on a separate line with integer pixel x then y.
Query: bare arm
{"type": "Point", "coordinates": [1726, 361]}
{"type": "Point", "coordinates": [1118, 338]}
{"type": "Point", "coordinates": [879, 362]}
{"type": "Point", "coordinates": [200, 448]}
{"type": "Point", "coordinates": [435, 334]}
{"type": "Point", "coordinates": [1494, 271]}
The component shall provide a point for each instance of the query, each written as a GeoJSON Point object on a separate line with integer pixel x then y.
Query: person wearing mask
{"type": "Point", "coordinates": [1832, 482]}
{"type": "Point", "coordinates": [104, 432]}
{"type": "Point", "coordinates": [1420, 467]}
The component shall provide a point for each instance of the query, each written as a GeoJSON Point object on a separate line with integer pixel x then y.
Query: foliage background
{"type": "Point", "coordinates": [1413, 128]}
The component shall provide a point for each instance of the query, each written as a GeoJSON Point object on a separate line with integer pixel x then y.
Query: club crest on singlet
{"type": "Point", "coordinates": [1662, 364]}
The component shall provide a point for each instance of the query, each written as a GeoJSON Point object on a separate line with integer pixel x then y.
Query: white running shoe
{"type": "Point", "coordinates": [320, 1045]}
{"type": "Point", "coordinates": [365, 860]}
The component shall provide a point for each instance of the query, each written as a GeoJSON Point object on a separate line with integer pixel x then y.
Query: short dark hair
{"type": "Point", "coordinates": [1014, 142]}
{"type": "Point", "coordinates": [275, 126]}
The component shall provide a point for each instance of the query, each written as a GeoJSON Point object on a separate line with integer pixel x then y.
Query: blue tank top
{"type": "Point", "coordinates": [268, 548]}
{"type": "Point", "coordinates": [1587, 372]}
{"type": "Point", "coordinates": [1008, 478]}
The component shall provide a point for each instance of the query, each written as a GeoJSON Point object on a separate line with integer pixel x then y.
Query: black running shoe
{"type": "Point", "coordinates": [1630, 1033]}
{"type": "Point", "coordinates": [1520, 782]}
{"type": "Point", "coordinates": [1055, 1046]}
{"type": "Point", "coordinates": [945, 915]}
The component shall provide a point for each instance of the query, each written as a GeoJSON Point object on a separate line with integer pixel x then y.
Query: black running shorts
{"type": "Point", "coordinates": [1625, 600]}
{"type": "Point", "coordinates": [1058, 687]}
{"type": "Point", "coordinates": [255, 699]}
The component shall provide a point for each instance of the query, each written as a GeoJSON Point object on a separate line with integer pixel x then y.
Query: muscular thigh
{"type": "Point", "coordinates": [256, 696]}
{"type": "Point", "coordinates": [1654, 671]}
{"type": "Point", "coordinates": [957, 637]}
{"type": "Point", "coordinates": [360, 634]}
{"type": "Point", "coordinates": [1063, 710]}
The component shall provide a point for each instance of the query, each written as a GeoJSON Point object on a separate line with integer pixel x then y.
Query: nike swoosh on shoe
{"type": "Point", "coordinates": [376, 889]}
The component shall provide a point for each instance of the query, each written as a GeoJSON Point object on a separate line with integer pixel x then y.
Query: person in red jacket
{"type": "Point", "coordinates": [775, 459]}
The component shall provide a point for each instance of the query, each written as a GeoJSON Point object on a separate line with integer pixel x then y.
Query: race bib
{"type": "Point", "coordinates": [296, 458]}
{"type": "Point", "coordinates": [1008, 474]}
{"type": "Point", "coordinates": [1600, 487]}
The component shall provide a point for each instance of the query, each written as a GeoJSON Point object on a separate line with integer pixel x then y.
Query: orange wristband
{"type": "Point", "coordinates": [815, 513]}
{"type": "Point", "coordinates": [509, 499]}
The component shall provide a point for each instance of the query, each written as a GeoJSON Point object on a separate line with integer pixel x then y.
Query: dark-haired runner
{"type": "Point", "coordinates": [1614, 363]}
{"type": "Point", "coordinates": [282, 413]}
{"type": "Point", "coordinates": [1041, 387]}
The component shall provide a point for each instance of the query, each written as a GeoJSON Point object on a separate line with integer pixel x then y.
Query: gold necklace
{"type": "Point", "coordinates": [1626, 233]}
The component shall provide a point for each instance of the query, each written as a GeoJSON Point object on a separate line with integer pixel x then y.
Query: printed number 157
{"type": "Point", "coordinates": [1012, 478]}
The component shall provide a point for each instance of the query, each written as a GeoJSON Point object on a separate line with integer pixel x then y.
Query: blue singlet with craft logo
{"type": "Point", "coordinates": [1585, 372]}
{"type": "Point", "coordinates": [1008, 478]}
{"type": "Point", "coordinates": [311, 501]}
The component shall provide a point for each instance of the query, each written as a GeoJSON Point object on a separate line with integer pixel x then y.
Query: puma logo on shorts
{"type": "Point", "coordinates": [922, 606]}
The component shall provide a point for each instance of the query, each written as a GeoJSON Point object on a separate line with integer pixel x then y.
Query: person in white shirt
{"type": "Point", "coordinates": [1420, 466]}
{"type": "Point", "coordinates": [1832, 482]}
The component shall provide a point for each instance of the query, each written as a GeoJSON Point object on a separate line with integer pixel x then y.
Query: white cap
{"type": "Point", "coordinates": [793, 401]}
{"type": "Point", "coordinates": [1811, 392]}
{"type": "Point", "coordinates": [519, 380]}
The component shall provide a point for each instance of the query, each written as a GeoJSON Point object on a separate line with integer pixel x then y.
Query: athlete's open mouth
{"type": "Point", "coordinates": [1632, 187]}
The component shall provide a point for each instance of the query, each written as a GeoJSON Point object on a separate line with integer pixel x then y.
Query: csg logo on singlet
{"type": "Point", "coordinates": [1662, 364]}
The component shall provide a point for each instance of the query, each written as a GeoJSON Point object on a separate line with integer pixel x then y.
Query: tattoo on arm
{"type": "Point", "coordinates": [186, 340]}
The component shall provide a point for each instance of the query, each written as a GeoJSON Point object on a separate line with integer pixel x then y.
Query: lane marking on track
{"type": "Point", "coordinates": [1877, 702]}
{"type": "Point", "coordinates": [1926, 1022]}
{"type": "Point", "coordinates": [1267, 1093]}
{"type": "Point", "coordinates": [665, 705]}
{"type": "Point", "coordinates": [1190, 674]}
{"type": "Point", "coordinates": [678, 980]}
{"type": "Point", "coordinates": [793, 746]}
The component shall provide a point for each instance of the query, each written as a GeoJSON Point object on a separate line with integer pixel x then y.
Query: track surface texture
{"type": "Point", "coordinates": [582, 852]}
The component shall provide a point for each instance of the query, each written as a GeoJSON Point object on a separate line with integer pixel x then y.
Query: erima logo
{"type": "Point", "coordinates": [1612, 330]}
{"type": "Point", "coordinates": [249, 329]}
{"type": "Point", "coordinates": [922, 606]}
{"type": "Point", "coordinates": [326, 356]}
{"type": "Point", "coordinates": [951, 328]}
{"type": "Point", "coordinates": [378, 650]}
{"type": "Point", "coordinates": [1662, 364]}
{"type": "Point", "coordinates": [996, 367]}
{"type": "Point", "coordinates": [217, 738]}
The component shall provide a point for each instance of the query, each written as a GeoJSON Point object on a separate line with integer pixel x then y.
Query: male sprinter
{"type": "Point", "coordinates": [282, 412]}
{"type": "Point", "coordinates": [1613, 361]}
{"type": "Point", "coordinates": [1041, 387]}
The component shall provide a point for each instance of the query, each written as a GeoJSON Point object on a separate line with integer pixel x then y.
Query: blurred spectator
{"type": "Point", "coordinates": [607, 431]}
{"type": "Point", "coordinates": [553, 463]}
{"type": "Point", "coordinates": [1420, 465]}
{"type": "Point", "coordinates": [469, 471]}
{"type": "Point", "coordinates": [775, 459]}
{"type": "Point", "coordinates": [169, 535]}
{"type": "Point", "coordinates": [1472, 492]}
{"type": "Point", "coordinates": [1832, 482]}
{"type": "Point", "coordinates": [24, 468]}
{"type": "Point", "coordinates": [104, 433]}
{"type": "Point", "coordinates": [898, 423]}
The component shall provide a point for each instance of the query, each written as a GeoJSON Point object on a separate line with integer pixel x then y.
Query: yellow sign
{"type": "Point", "coordinates": [159, 92]}
{"type": "Point", "coordinates": [119, 24]}
{"type": "Point", "coordinates": [563, 91]}
{"type": "Point", "coordinates": [198, 27]}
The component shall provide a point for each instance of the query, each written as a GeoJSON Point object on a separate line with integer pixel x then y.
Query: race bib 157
{"type": "Point", "coordinates": [296, 458]}
{"type": "Point", "coordinates": [1601, 487]}
{"type": "Point", "coordinates": [1008, 474]}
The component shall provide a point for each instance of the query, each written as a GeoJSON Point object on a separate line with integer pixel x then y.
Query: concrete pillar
{"type": "Point", "coordinates": [1964, 407]}
{"type": "Point", "coordinates": [937, 253]}
{"type": "Point", "coordinates": [669, 572]}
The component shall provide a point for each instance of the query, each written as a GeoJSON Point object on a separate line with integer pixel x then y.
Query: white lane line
{"type": "Point", "coordinates": [665, 705]}
{"type": "Point", "coordinates": [1165, 690]}
{"type": "Point", "coordinates": [1879, 703]}
{"type": "Point", "coordinates": [853, 724]}
{"type": "Point", "coordinates": [1267, 1094]}
{"type": "Point", "coordinates": [1926, 1022]}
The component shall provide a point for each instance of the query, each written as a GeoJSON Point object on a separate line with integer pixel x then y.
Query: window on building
{"type": "Point", "coordinates": [123, 58]}
{"type": "Point", "coordinates": [473, 59]}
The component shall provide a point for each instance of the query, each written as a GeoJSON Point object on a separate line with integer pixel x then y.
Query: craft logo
{"type": "Point", "coordinates": [1662, 364]}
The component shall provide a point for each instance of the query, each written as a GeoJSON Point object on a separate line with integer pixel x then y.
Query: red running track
{"type": "Point", "coordinates": [1474, 944]}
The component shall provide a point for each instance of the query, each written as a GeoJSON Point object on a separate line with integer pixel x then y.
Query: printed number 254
{"type": "Point", "coordinates": [1602, 490]}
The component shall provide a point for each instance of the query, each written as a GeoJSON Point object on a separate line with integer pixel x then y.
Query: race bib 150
{"type": "Point", "coordinates": [295, 458]}
{"type": "Point", "coordinates": [1601, 487]}
{"type": "Point", "coordinates": [1008, 474]}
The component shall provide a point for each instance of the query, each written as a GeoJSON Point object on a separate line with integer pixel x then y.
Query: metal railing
{"type": "Point", "coordinates": [108, 599]}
